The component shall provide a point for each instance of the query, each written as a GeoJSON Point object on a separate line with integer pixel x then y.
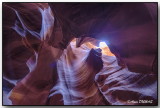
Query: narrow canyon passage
{"type": "Point", "coordinates": [80, 54]}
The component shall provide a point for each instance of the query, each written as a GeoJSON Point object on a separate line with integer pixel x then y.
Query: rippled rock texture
{"type": "Point", "coordinates": [51, 54]}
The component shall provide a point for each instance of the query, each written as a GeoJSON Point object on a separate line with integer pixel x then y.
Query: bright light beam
{"type": "Point", "coordinates": [102, 45]}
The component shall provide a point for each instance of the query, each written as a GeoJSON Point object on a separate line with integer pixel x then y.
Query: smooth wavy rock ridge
{"type": "Point", "coordinates": [55, 59]}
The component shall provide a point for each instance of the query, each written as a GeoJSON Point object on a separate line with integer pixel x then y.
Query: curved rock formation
{"type": "Point", "coordinates": [51, 54]}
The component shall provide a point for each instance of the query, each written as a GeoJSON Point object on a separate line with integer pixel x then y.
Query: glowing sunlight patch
{"type": "Point", "coordinates": [102, 45]}
{"type": "Point", "coordinates": [105, 49]}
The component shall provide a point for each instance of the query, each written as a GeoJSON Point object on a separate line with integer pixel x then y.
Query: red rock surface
{"type": "Point", "coordinates": [51, 54]}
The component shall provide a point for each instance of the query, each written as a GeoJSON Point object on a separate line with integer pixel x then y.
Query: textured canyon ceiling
{"type": "Point", "coordinates": [51, 53]}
